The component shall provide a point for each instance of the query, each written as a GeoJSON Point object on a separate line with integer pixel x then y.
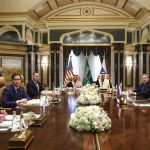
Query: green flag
{"type": "Point", "coordinates": [87, 79]}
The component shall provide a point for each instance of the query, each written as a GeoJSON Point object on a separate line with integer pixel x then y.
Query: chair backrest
{"type": "Point", "coordinates": [22, 81]}
{"type": "Point", "coordinates": [2, 86]}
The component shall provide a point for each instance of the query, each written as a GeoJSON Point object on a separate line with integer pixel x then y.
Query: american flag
{"type": "Point", "coordinates": [69, 71]}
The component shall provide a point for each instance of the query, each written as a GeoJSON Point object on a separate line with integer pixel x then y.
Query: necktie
{"type": "Point", "coordinates": [17, 92]}
{"type": "Point", "coordinates": [142, 88]}
{"type": "Point", "coordinates": [37, 86]}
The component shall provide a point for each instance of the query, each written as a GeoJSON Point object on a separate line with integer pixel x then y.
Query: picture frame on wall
{"type": "Point", "coordinates": [10, 66]}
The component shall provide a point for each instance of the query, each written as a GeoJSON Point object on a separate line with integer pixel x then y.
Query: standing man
{"type": "Point", "coordinates": [14, 95]}
{"type": "Point", "coordinates": [144, 88]}
{"type": "Point", "coordinates": [34, 87]}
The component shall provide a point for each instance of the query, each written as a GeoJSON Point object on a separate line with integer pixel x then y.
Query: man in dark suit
{"type": "Point", "coordinates": [34, 87]}
{"type": "Point", "coordinates": [70, 82]}
{"type": "Point", "coordinates": [14, 95]}
{"type": "Point", "coordinates": [144, 88]}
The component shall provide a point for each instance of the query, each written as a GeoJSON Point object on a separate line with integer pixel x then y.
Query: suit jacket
{"type": "Point", "coordinates": [9, 96]}
{"type": "Point", "coordinates": [144, 90]}
{"type": "Point", "coordinates": [105, 83]}
{"type": "Point", "coordinates": [32, 89]}
{"type": "Point", "coordinates": [69, 84]}
{"type": "Point", "coordinates": [97, 83]}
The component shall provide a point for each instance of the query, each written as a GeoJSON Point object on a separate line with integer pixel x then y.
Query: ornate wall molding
{"type": "Point", "coordinates": [86, 30]}
{"type": "Point", "coordinates": [82, 9]}
{"type": "Point", "coordinates": [9, 28]}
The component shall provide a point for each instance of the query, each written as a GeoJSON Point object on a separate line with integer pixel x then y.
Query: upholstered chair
{"type": "Point", "coordinates": [2, 86]}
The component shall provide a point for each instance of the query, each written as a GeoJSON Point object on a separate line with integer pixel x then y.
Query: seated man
{"type": "Point", "coordinates": [34, 87]}
{"type": "Point", "coordinates": [78, 82]}
{"type": "Point", "coordinates": [104, 82]}
{"type": "Point", "coordinates": [70, 82]}
{"type": "Point", "coordinates": [144, 88]}
{"type": "Point", "coordinates": [14, 95]}
{"type": "Point", "coordinates": [108, 78]}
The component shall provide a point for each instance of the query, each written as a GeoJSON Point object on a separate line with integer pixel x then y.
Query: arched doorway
{"type": "Point", "coordinates": [86, 41]}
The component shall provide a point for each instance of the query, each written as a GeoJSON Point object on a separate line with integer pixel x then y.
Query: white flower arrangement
{"type": "Point", "coordinates": [90, 118]}
{"type": "Point", "coordinates": [88, 95]}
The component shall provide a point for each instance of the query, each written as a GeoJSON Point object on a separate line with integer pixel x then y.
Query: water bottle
{"type": "Point", "coordinates": [21, 124]}
{"type": "Point", "coordinates": [14, 122]}
{"type": "Point", "coordinates": [42, 104]}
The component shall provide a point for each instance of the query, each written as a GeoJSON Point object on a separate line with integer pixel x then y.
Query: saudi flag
{"type": "Point", "coordinates": [87, 79]}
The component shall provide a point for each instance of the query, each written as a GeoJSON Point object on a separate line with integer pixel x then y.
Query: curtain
{"type": "Point", "coordinates": [78, 63]}
{"type": "Point", "coordinates": [98, 52]}
{"type": "Point", "coordinates": [95, 65]}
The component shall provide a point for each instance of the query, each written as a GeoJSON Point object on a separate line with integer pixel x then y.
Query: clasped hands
{"type": "Point", "coordinates": [22, 102]}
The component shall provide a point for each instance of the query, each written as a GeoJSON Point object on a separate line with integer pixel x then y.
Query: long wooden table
{"type": "Point", "coordinates": [130, 129]}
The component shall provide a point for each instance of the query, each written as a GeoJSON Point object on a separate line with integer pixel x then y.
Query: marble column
{"type": "Point", "coordinates": [55, 48]}
{"type": "Point", "coordinates": [36, 57]}
{"type": "Point", "coordinates": [121, 62]}
{"type": "Point", "coordinates": [61, 65]}
{"type": "Point", "coordinates": [112, 66]}
{"type": "Point", "coordinates": [144, 50]}
{"type": "Point", "coordinates": [118, 63]}
{"type": "Point", "coordinates": [137, 60]}
{"type": "Point", "coordinates": [30, 61]}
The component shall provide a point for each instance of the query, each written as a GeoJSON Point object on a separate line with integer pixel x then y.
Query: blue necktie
{"type": "Point", "coordinates": [142, 88]}
{"type": "Point", "coordinates": [17, 92]}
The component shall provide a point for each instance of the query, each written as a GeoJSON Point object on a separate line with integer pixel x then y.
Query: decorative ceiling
{"type": "Point", "coordinates": [49, 10]}
{"type": "Point", "coordinates": [129, 6]}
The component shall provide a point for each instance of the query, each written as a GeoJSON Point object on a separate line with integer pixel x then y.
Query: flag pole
{"type": "Point", "coordinates": [69, 70]}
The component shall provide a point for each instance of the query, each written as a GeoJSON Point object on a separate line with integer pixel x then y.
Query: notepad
{"type": "Point", "coordinates": [3, 130]}
{"type": "Point", "coordinates": [142, 103]}
{"type": "Point", "coordinates": [5, 124]}
{"type": "Point", "coordinates": [33, 102]}
{"type": "Point", "coordinates": [10, 117]}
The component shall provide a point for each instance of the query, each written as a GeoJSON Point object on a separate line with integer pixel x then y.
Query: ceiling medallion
{"type": "Point", "coordinates": [86, 11]}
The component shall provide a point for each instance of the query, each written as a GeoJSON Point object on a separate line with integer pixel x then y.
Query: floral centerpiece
{"type": "Point", "coordinates": [52, 96]}
{"type": "Point", "coordinates": [88, 95]}
{"type": "Point", "coordinates": [90, 118]}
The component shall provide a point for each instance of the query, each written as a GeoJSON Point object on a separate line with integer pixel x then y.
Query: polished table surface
{"type": "Point", "coordinates": [130, 129]}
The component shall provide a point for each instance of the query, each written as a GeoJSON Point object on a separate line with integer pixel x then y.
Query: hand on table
{"type": "Point", "coordinates": [22, 102]}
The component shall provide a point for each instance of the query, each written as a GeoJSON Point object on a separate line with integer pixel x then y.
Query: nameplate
{"type": "Point", "coordinates": [103, 90]}
{"type": "Point", "coordinates": [20, 140]}
{"type": "Point", "coordinates": [40, 120]}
